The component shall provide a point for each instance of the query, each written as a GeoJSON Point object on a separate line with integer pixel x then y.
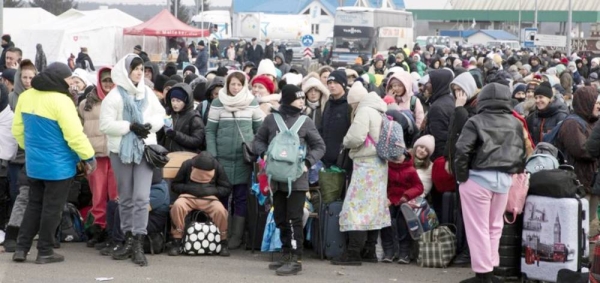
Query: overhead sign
{"type": "Point", "coordinates": [308, 52]}
{"type": "Point", "coordinates": [530, 34]}
{"type": "Point", "coordinates": [307, 40]}
{"type": "Point", "coordinates": [550, 40]}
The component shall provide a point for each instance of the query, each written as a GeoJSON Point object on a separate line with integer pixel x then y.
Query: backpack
{"type": "Point", "coordinates": [391, 139]}
{"type": "Point", "coordinates": [552, 136]}
{"type": "Point", "coordinates": [540, 162]}
{"type": "Point", "coordinates": [285, 154]}
{"type": "Point", "coordinates": [71, 228]}
{"type": "Point", "coordinates": [411, 132]}
{"type": "Point", "coordinates": [413, 103]}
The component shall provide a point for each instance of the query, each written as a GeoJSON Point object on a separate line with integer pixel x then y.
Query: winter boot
{"type": "Point", "coordinates": [125, 251]}
{"type": "Point", "coordinates": [19, 256]}
{"type": "Point", "coordinates": [224, 248]}
{"type": "Point", "coordinates": [138, 250]}
{"type": "Point", "coordinates": [10, 241]}
{"type": "Point", "coordinates": [98, 236]}
{"type": "Point", "coordinates": [236, 232]}
{"type": "Point", "coordinates": [292, 267]}
{"type": "Point", "coordinates": [286, 256]}
{"type": "Point", "coordinates": [368, 255]}
{"type": "Point", "coordinates": [110, 247]}
{"type": "Point", "coordinates": [175, 247]}
{"type": "Point", "coordinates": [349, 257]}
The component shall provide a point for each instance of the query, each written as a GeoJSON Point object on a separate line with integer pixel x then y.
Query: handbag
{"type": "Point", "coordinates": [248, 156]}
{"type": "Point", "coordinates": [156, 155]}
{"type": "Point", "coordinates": [331, 182]}
{"type": "Point", "coordinates": [437, 247]}
{"type": "Point", "coordinates": [201, 235]}
{"type": "Point", "coordinates": [517, 195]}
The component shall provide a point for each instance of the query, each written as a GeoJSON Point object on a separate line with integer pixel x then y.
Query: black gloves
{"type": "Point", "coordinates": [141, 131]}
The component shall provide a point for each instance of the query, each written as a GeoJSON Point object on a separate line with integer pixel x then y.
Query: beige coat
{"type": "Point", "coordinates": [366, 122]}
{"type": "Point", "coordinates": [91, 128]}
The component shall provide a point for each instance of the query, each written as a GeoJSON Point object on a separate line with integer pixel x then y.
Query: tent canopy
{"type": "Point", "coordinates": [165, 24]}
{"type": "Point", "coordinates": [17, 19]}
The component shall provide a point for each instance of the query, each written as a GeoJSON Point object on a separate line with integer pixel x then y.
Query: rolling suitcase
{"type": "Point", "coordinates": [333, 243]}
{"type": "Point", "coordinates": [555, 232]}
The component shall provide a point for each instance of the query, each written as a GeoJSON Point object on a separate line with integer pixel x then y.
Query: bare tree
{"type": "Point", "coordinates": [13, 3]}
{"type": "Point", "coordinates": [55, 7]}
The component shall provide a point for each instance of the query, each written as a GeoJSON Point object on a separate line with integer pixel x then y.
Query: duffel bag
{"type": "Point", "coordinates": [556, 183]}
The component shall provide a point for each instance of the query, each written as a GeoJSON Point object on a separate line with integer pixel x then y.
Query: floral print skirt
{"type": "Point", "coordinates": [365, 206]}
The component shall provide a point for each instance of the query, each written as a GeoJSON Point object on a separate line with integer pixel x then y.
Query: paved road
{"type": "Point", "coordinates": [84, 265]}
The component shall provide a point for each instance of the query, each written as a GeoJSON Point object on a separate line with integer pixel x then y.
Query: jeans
{"type": "Point", "coordinates": [396, 239]}
{"type": "Point", "coordinates": [43, 214]}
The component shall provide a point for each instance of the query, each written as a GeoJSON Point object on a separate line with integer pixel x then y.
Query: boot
{"type": "Point", "coordinates": [368, 255]}
{"type": "Point", "coordinates": [292, 267]}
{"type": "Point", "coordinates": [348, 258]}
{"type": "Point", "coordinates": [174, 247]}
{"type": "Point", "coordinates": [125, 251]}
{"type": "Point", "coordinates": [138, 250]}
{"type": "Point", "coordinates": [463, 258]}
{"type": "Point", "coordinates": [110, 247]}
{"type": "Point", "coordinates": [98, 236]}
{"type": "Point", "coordinates": [10, 241]}
{"type": "Point", "coordinates": [19, 256]}
{"type": "Point", "coordinates": [236, 232]}
{"type": "Point", "coordinates": [286, 256]}
{"type": "Point", "coordinates": [224, 248]}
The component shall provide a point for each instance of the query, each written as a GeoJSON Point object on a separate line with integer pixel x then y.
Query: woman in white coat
{"type": "Point", "coordinates": [130, 116]}
{"type": "Point", "coordinates": [365, 210]}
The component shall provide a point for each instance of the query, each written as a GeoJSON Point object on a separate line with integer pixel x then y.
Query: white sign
{"type": "Point", "coordinates": [550, 40]}
{"type": "Point", "coordinates": [344, 18]}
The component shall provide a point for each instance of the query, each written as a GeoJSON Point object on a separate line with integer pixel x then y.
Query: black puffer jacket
{"type": "Point", "coordinates": [542, 122]}
{"type": "Point", "coordinates": [219, 186]}
{"type": "Point", "coordinates": [492, 139]}
{"type": "Point", "coordinates": [442, 107]}
{"type": "Point", "coordinates": [309, 137]}
{"type": "Point", "coordinates": [188, 129]}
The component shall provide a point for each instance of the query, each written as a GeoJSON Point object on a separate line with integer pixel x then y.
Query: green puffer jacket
{"type": "Point", "coordinates": [223, 139]}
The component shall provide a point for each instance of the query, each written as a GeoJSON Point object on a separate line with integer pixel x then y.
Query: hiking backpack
{"type": "Point", "coordinates": [285, 154]}
{"type": "Point", "coordinates": [391, 139]}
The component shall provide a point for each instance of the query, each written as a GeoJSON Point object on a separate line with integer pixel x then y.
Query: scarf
{"type": "Point", "coordinates": [235, 103]}
{"type": "Point", "coordinates": [132, 147]}
{"type": "Point", "coordinates": [313, 105]}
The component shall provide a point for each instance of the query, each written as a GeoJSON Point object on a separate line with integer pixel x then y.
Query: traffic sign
{"type": "Point", "coordinates": [308, 52]}
{"type": "Point", "coordinates": [550, 40]}
{"type": "Point", "coordinates": [307, 40]}
{"type": "Point", "coordinates": [530, 34]}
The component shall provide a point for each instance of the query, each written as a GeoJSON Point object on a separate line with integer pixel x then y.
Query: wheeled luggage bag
{"type": "Point", "coordinates": [555, 232]}
{"type": "Point", "coordinates": [510, 249]}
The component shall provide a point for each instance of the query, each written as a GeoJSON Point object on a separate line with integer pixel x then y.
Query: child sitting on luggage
{"type": "Point", "coordinates": [200, 182]}
{"type": "Point", "coordinates": [403, 185]}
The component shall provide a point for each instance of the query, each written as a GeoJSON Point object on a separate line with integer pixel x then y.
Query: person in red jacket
{"type": "Point", "coordinates": [404, 185]}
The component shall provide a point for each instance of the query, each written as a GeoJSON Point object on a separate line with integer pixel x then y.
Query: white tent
{"type": "Point", "coordinates": [101, 31]}
{"type": "Point", "coordinates": [17, 19]}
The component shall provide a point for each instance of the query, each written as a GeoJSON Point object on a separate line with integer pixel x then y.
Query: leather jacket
{"type": "Point", "coordinates": [493, 139]}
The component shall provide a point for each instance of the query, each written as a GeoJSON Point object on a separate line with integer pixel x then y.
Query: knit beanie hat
{"type": "Point", "coordinates": [6, 38]}
{"type": "Point", "coordinates": [190, 68]}
{"type": "Point", "coordinates": [159, 82]}
{"type": "Point", "coordinates": [266, 81]}
{"type": "Point", "coordinates": [338, 76]}
{"type": "Point", "coordinates": [519, 87]}
{"type": "Point", "coordinates": [290, 93]}
{"type": "Point", "coordinates": [9, 74]}
{"type": "Point", "coordinates": [266, 67]}
{"type": "Point", "coordinates": [356, 93]}
{"type": "Point", "coordinates": [427, 141]}
{"type": "Point", "coordinates": [60, 69]}
{"type": "Point", "coordinates": [544, 89]}
{"type": "Point", "coordinates": [203, 161]}
{"type": "Point", "coordinates": [179, 93]}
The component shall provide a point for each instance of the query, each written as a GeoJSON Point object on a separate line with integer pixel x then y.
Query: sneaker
{"type": "Point", "coordinates": [387, 259]}
{"type": "Point", "coordinates": [404, 259]}
{"type": "Point", "coordinates": [41, 259]}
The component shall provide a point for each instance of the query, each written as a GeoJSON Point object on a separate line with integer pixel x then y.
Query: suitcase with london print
{"type": "Point", "coordinates": [555, 232]}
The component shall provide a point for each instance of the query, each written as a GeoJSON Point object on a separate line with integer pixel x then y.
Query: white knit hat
{"type": "Point", "coordinates": [266, 67]}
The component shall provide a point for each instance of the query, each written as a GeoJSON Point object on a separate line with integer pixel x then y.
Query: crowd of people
{"type": "Point", "coordinates": [481, 112]}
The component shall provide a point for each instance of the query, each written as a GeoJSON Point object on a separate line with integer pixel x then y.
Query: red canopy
{"type": "Point", "coordinates": [165, 24]}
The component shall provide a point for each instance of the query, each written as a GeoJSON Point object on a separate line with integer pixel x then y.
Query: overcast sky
{"type": "Point", "coordinates": [155, 2]}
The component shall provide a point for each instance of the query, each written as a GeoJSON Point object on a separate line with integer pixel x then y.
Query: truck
{"type": "Point", "coordinates": [366, 32]}
{"type": "Point", "coordinates": [273, 26]}
{"type": "Point", "coordinates": [218, 21]}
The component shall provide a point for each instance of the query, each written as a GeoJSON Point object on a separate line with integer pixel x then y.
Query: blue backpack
{"type": "Point", "coordinates": [71, 228]}
{"type": "Point", "coordinates": [551, 136]}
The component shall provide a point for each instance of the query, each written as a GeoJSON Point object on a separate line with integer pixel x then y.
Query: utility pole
{"type": "Point", "coordinates": [535, 16]}
{"type": "Point", "coordinates": [569, 27]}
